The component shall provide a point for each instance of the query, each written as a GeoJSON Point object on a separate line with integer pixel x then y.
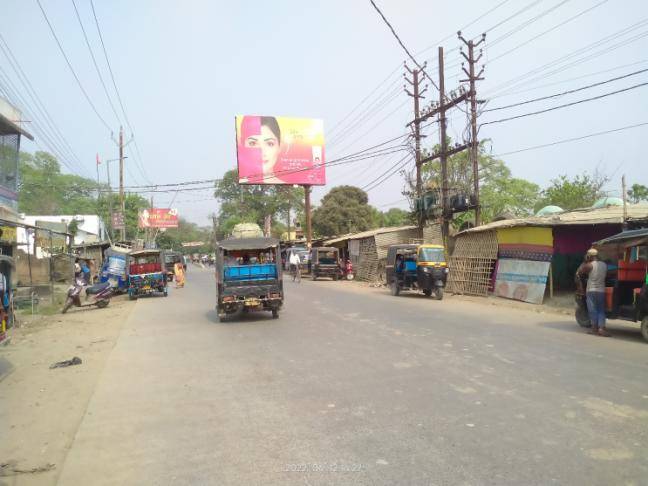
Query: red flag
{"type": "Point", "coordinates": [98, 161]}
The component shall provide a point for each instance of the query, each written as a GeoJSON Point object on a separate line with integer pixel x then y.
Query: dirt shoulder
{"type": "Point", "coordinates": [41, 408]}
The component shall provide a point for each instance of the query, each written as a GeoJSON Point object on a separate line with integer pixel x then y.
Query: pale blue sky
{"type": "Point", "coordinates": [186, 68]}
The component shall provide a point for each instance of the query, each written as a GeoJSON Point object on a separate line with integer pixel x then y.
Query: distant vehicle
{"type": "Point", "coordinates": [324, 262]}
{"type": "Point", "coordinates": [170, 259]}
{"type": "Point", "coordinates": [248, 276]}
{"type": "Point", "coordinates": [304, 257]}
{"type": "Point", "coordinates": [626, 282]}
{"type": "Point", "coordinates": [417, 267]}
{"type": "Point", "coordinates": [146, 273]}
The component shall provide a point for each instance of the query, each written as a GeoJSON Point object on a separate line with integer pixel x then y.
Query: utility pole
{"type": "Point", "coordinates": [474, 143]}
{"type": "Point", "coordinates": [122, 202]}
{"type": "Point", "coordinates": [307, 209]}
{"type": "Point", "coordinates": [417, 94]}
{"type": "Point", "coordinates": [444, 148]}
{"type": "Point", "coordinates": [625, 203]}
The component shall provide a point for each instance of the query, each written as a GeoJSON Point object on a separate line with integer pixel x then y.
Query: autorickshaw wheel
{"type": "Point", "coordinates": [644, 328]}
{"type": "Point", "coordinates": [222, 317]}
{"type": "Point", "coordinates": [394, 288]}
{"type": "Point", "coordinates": [427, 292]}
{"type": "Point", "coordinates": [438, 293]}
{"type": "Point", "coordinates": [582, 317]}
{"type": "Point", "coordinates": [275, 313]}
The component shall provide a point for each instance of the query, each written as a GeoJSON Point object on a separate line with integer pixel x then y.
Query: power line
{"type": "Point", "coordinates": [574, 17]}
{"type": "Point", "coordinates": [557, 95]}
{"type": "Point", "coordinates": [94, 61]}
{"type": "Point", "coordinates": [119, 98]}
{"type": "Point", "coordinates": [565, 105]}
{"type": "Point", "coordinates": [40, 106]}
{"type": "Point", "coordinates": [401, 43]}
{"type": "Point", "coordinates": [69, 64]}
{"type": "Point", "coordinates": [574, 139]}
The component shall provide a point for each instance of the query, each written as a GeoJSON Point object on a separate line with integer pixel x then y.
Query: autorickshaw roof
{"type": "Point", "coordinates": [248, 243]}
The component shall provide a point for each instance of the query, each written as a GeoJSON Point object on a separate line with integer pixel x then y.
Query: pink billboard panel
{"type": "Point", "coordinates": [280, 150]}
{"type": "Point", "coordinates": [158, 218]}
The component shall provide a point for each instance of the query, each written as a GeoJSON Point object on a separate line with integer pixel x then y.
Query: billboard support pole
{"type": "Point", "coordinates": [307, 209]}
{"type": "Point", "coordinates": [122, 202]}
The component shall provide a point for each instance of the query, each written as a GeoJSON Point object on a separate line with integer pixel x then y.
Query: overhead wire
{"type": "Point", "coordinates": [138, 159]}
{"type": "Point", "coordinates": [564, 93]}
{"type": "Point", "coordinates": [69, 65]}
{"type": "Point", "coordinates": [572, 139]}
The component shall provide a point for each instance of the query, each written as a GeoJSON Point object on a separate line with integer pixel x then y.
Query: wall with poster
{"type": "Point", "coordinates": [523, 280]}
{"type": "Point", "coordinates": [280, 150]}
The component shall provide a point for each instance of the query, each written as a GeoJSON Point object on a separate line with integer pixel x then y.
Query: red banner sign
{"type": "Point", "coordinates": [158, 218]}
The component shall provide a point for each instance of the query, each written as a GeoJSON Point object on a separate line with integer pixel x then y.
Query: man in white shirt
{"type": "Point", "coordinates": [295, 263]}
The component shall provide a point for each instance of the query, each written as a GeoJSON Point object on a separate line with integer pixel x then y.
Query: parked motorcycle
{"type": "Point", "coordinates": [346, 270]}
{"type": "Point", "coordinates": [98, 294]}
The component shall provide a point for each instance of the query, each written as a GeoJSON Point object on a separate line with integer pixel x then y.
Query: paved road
{"type": "Point", "coordinates": [353, 386]}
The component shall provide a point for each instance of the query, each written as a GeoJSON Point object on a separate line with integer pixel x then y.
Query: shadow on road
{"type": "Point", "coordinates": [622, 333]}
{"type": "Point", "coordinates": [241, 317]}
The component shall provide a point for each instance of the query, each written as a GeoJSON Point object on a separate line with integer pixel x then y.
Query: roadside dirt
{"type": "Point", "coordinates": [41, 408]}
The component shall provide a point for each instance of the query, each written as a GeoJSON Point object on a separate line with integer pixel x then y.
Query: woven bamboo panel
{"type": "Point", "coordinates": [472, 263]}
{"type": "Point", "coordinates": [432, 234]}
{"type": "Point", "coordinates": [368, 260]}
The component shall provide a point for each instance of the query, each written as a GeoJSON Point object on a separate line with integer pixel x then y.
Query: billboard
{"type": "Point", "coordinates": [118, 220]}
{"type": "Point", "coordinates": [523, 280]}
{"type": "Point", "coordinates": [280, 150]}
{"type": "Point", "coordinates": [158, 218]}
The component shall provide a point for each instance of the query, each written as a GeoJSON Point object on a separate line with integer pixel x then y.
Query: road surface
{"type": "Point", "coordinates": [353, 386]}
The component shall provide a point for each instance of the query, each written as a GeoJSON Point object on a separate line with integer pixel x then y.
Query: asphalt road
{"type": "Point", "coordinates": [353, 386]}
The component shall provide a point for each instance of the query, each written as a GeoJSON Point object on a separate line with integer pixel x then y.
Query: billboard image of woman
{"type": "Point", "coordinates": [280, 150]}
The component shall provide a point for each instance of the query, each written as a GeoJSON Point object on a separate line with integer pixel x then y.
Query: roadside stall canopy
{"type": "Point", "coordinates": [626, 238]}
{"type": "Point", "coordinates": [248, 243]}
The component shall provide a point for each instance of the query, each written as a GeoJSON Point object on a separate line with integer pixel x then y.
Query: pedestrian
{"type": "Point", "coordinates": [596, 271]}
{"type": "Point", "coordinates": [179, 274]}
{"type": "Point", "coordinates": [4, 298]}
{"type": "Point", "coordinates": [295, 266]}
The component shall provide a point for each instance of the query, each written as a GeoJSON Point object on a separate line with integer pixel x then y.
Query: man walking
{"type": "Point", "coordinates": [295, 263]}
{"type": "Point", "coordinates": [596, 271]}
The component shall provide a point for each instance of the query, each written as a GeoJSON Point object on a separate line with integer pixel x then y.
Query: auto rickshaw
{"type": "Point", "coordinates": [626, 290]}
{"type": "Point", "coordinates": [431, 270]}
{"type": "Point", "coordinates": [146, 273]}
{"type": "Point", "coordinates": [400, 268]}
{"type": "Point", "coordinates": [248, 276]}
{"type": "Point", "coordinates": [324, 262]}
{"type": "Point", "coordinates": [417, 267]}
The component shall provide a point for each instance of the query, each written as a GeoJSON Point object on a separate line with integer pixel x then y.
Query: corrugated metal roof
{"type": "Point", "coordinates": [610, 214]}
{"type": "Point", "coordinates": [367, 234]}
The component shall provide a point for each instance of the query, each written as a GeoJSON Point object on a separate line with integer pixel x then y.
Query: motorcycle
{"type": "Point", "coordinates": [346, 271]}
{"type": "Point", "coordinates": [101, 294]}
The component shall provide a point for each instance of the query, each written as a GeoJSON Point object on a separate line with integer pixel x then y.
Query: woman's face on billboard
{"type": "Point", "coordinates": [268, 143]}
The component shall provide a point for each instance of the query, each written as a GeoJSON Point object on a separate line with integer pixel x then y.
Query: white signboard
{"type": "Point", "coordinates": [354, 247]}
{"type": "Point", "coordinates": [523, 280]}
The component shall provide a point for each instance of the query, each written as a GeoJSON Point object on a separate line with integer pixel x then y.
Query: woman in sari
{"type": "Point", "coordinates": [178, 271]}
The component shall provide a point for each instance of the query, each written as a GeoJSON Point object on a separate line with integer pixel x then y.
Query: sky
{"type": "Point", "coordinates": [185, 69]}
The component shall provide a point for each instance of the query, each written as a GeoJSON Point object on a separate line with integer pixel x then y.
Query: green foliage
{"type": "Point", "coordinates": [395, 217]}
{"type": "Point", "coordinates": [173, 238]}
{"type": "Point", "coordinates": [344, 209]}
{"type": "Point", "coordinates": [638, 193]}
{"type": "Point", "coordinates": [252, 203]}
{"type": "Point", "coordinates": [43, 189]}
{"type": "Point", "coordinates": [579, 192]}
{"type": "Point", "coordinates": [500, 193]}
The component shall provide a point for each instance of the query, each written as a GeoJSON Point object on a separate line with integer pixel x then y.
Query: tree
{"type": "Point", "coordinates": [499, 193]}
{"type": "Point", "coordinates": [396, 217]}
{"type": "Point", "coordinates": [186, 231]}
{"type": "Point", "coordinates": [344, 209]}
{"type": "Point", "coordinates": [254, 203]}
{"type": "Point", "coordinates": [579, 192]}
{"type": "Point", "coordinates": [638, 193]}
